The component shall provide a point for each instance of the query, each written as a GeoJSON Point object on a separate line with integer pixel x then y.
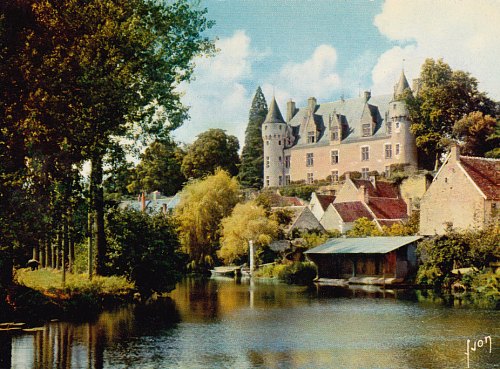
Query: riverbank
{"type": "Point", "coordinates": [40, 295]}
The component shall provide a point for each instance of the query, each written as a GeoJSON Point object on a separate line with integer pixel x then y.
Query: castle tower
{"type": "Point", "coordinates": [399, 124]}
{"type": "Point", "coordinates": [274, 135]}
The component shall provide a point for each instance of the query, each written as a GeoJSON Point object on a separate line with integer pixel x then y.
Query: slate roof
{"type": "Point", "coordinates": [350, 211]}
{"type": "Point", "coordinates": [367, 245]}
{"type": "Point", "coordinates": [274, 114]}
{"type": "Point", "coordinates": [381, 189]}
{"type": "Point", "coordinates": [385, 208]}
{"type": "Point", "coordinates": [401, 86]}
{"type": "Point", "coordinates": [351, 112]}
{"type": "Point", "coordinates": [485, 173]}
{"type": "Point", "coordinates": [325, 200]}
{"type": "Point", "coordinates": [302, 218]}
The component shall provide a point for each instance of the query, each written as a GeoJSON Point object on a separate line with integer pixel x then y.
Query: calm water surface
{"type": "Point", "coordinates": [221, 323]}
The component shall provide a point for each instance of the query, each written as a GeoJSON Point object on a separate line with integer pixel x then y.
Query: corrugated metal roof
{"type": "Point", "coordinates": [366, 245]}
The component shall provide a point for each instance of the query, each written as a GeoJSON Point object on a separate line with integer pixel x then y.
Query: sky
{"type": "Point", "coordinates": [295, 49]}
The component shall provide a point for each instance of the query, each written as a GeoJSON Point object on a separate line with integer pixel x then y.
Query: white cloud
{"type": "Point", "coordinates": [464, 33]}
{"type": "Point", "coordinates": [316, 76]}
{"type": "Point", "coordinates": [217, 97]}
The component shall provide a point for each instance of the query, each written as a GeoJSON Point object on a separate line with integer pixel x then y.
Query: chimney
{"type": "Point", "coordinates": [368, 94]}
{"type": "Point", "coordinates": [290, 110]}
{"type": "Point", "coordinates": [454, 152]}
{"type": "Point", "coordinates": [143, 202]}
{"type": "Point", "coordinates": [311, 104]}
{"type": "Point", "coordinates": [373, 180]}
{"type": "Point", "coordinates": [347, 175]}
{"type": "Point", "coordinates": [409, 205]}
{"type": "Point", "coordinates": [363, 194]}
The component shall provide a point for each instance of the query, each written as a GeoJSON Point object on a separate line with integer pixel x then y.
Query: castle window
{"type": "Point", "coordinates": [311, 137]}
{"type": "Point", "coordinates": [267, 161]}
{"type": "Point", "coordinates": [267, 181]}
{"type": "Point", "coordinates": [287, 161]}
{"type": "Point", "coordinates": [367, 129]}
{"type": "Point", "coordinates": [394, 106]}
{"type": "Point", "coordinates": [397, 126]}
{"type": "Point", "coordinates": [267, 143]}
{"type": "Point", "coordinates": [309, 159]}
{"type": "Point", "coordinates": [280, 180]}
{"type": "Point", "coordinates": [279, 142]}
{"type": "Point", "coordinates": [388, 151]}
{"type": "Point", "coordinates": [397, 149]}
{"type": "Point", "coordinates": [335, 176]}
{"type": "Point", "coordinates": [287, 180]}
{"type": "Point", "coordinates": [279, 159]}
{"type": "Point", "coordinates": [389, 128]}
{"type": "Point", "coordinates": [365, 173]}
{"type": "Point", "coordinates": [310, 178]}
{"type": "Point", "coordinates": [335, 157]}
{"type": "Point", "coordinates": [365, 153]}
{"type": "Point", "coordinates": [387, 171]}
{"type": "Point", "coordinates": [335, 133]}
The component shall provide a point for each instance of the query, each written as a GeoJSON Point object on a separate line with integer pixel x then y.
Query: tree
{"type": "Point", "coordinates": [89, 71]}
{"type": "Point", "coordinates": [212, 149]}
{"type": "Point", "coordinates": [204, 203]}
{"type": "Point", "coordinates": [476, 131]}
{"type": "Point", "coordinates": [363, 227]}
{"type": "Point", "coordinates": [444, 97]}
{"type": "Point", "coordinates": [247, 222]}
{"type": "Point", "coordinates": [159, 169]}
{"type": "Point", "coordinates": [145, 249]}
{"type": "Point", "coordinates": [252, 156]}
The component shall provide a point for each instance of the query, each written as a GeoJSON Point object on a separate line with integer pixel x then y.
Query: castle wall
{"type": "Point", "coordinates": [350, 157]}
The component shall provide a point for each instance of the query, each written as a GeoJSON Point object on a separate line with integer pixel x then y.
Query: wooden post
{"type": "Point", "coordinates": [251, 252]}
{"type": "Point", "coordinates": [90, 254]}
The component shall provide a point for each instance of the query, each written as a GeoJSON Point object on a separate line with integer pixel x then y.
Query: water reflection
{"type": "Point", "coordinates": [223, 323]}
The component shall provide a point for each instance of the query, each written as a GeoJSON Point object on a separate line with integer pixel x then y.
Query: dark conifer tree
{"type": "Point", "coordinates": [252, 161]}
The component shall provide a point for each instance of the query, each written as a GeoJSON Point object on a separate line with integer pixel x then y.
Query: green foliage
{"type": "Point", "coordinates": [212, 150]}
{"type": "Point", "coordinates": [444, 97]}
{"type": "Point", "coordinates": [442, 254]}
{"type": "Point", "coordinates": [476, 131]}
{"type": "Point", "coordinates": [159, 169]}
{"type": "Point", "coordinates": [299, 272]}
{"type": "Point", "coordinates": [252, 155]}
{"type": "Point", "coordinates": [247, 221]}
{"type": "Point", "coordinates": [313, 239]}
{"type": "Point", "coordinates": [145, 249]}
{"type": "Point", "coordinates": [299, 190]}
{"type": "Point", "coordinates": [363, 227]}
{"type": "Point", "coordinates": [204, 203]}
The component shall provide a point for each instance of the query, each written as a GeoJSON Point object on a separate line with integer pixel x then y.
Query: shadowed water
{"type": "Point", "coordinates": [222, 323]}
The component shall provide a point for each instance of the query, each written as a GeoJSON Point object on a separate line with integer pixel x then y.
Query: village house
{"type": "Point", "coordinates": [319, 203]}
{"type": "Point", "coordinates": [370, 260]}
{"type": "Point", "coordinates": [322, 141]}
{"type": "Point", "coordinates": [377, 201]}
{"type": "Point", "coordinates": [464, 194]}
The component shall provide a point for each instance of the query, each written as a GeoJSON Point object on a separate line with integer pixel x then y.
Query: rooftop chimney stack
{"type": "Point", "coordinates": [311, 104]}
{"type": "Point", "coordinates": [290, 110]}
{"type": "Point", "coordinates": [368, 94]}
{"type": "Point", "coordinates": [455, 152]}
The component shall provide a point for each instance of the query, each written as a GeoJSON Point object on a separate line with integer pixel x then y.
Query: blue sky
{"type": "Point", "coordinates": [332, 48]}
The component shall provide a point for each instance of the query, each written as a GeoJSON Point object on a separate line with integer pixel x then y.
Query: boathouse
{"type": "Point", "coordinates": [368, 260]}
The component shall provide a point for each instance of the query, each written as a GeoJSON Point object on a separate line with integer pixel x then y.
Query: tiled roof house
{"type": "Point", "coordinates": [379, 202]}
{"type": "Point", "coordinates": [319, 203]}
{"type": "Point", "coordinates": [465, 193]}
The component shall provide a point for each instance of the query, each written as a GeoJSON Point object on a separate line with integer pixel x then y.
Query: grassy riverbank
{"type": "Point", "coordinates": [41, 295]}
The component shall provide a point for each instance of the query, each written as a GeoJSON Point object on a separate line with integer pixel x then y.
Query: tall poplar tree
{"type": "Point", "coordinates": [252, 156]}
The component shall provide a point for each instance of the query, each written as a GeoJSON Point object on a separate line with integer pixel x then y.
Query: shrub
{"type": "Point", "coordinates": [300, 272]}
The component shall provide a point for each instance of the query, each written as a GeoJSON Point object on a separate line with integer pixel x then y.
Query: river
{"type": "Point", "coordinates": [222, 323]}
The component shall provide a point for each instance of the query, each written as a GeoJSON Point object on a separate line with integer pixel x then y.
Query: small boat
{"type": "Point", "coordinates": [227, 271]}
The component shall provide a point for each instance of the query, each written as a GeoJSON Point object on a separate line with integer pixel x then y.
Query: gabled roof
{"type": "Point", "coordinates": [274, 114]}
{"type": "Point", "coordinates": [350, 211]}
{"type": "Point", "coordinates": [293, 201]}
{"type": "Point", "coordinates": [485, 173]}
{"type": "Point", "coordinates": [385, 208]}
{"type": "Point", "coordinates": [325, 200]}
{"type": "Point", "coordinates": [366, 245]}
{"type": "Point", "coordinates": [381, 189]}
{"type": "Point", "coordinates": [302, 218]}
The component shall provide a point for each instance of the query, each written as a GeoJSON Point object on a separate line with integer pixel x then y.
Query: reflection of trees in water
{"type": "Point", "coordinates": [66, 345]}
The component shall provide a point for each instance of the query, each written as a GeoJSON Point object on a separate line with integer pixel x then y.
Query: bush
{"type": "Point", "coordinates": [300, 272]}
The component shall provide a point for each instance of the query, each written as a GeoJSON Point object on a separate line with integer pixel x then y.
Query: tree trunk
{"type": "Point", "coordinates": [98, 209]}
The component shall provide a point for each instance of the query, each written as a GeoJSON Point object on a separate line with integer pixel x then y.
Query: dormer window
{"type": "Point", "coordinates": [389, 128]}
{"type": "Point", "coordinates": [367, 130]}
{"type": "Point", "coordinates": [311, 137]}
{"type": "Point", "coordinates": [335, 134]}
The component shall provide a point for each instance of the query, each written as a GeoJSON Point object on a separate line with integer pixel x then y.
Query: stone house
{"type": "Point", "coordinates": [377, 201]}
{"type": "Point", "coordinates": [465, 193]}
{"type": "Point", "coordinates": [319, 203]}
{"type": "Point", "coordinates": [323, 141]}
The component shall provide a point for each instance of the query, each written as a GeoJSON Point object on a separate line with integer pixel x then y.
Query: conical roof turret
{"type": "Point", "coordinates": [401, 86]}
{"type": "Point", "coordinates": [274, 114]}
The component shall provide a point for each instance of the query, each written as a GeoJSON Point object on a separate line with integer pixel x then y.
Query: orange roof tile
{"type": "Point", "coordinates": [485, 173]}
